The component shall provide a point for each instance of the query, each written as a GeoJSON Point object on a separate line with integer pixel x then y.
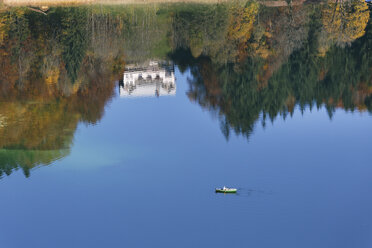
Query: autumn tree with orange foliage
{"type": "Point", "coordinates": [41, 102]}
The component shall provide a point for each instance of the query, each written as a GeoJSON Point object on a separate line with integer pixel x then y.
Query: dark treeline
{"type": "Point", "coordinates": [268, 75]}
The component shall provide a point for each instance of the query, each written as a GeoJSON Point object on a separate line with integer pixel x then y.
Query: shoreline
{"type": "Point", "coordinates": [55, 3]}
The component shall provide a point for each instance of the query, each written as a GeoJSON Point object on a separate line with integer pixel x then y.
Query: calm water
{"type": "Point", "coordinates": [117, 123]}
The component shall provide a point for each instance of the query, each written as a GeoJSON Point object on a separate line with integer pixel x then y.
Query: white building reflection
{"type": "Point", "coordinates": [152, 79]}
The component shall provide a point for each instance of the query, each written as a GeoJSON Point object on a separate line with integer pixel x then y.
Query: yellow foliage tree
{"type": "Point", "coordinates": [241, 26]}
{"type": "Point", "coordinates": [345, 21]}
{"type": "Point", "coordinates": [241, 22]}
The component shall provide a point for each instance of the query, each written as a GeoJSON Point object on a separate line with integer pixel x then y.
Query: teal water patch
{"type": "Point", "coordinates": [11, 160]}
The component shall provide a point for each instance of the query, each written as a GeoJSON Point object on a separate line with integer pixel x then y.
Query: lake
{"type": "Point", "coordinates": [117, 123]}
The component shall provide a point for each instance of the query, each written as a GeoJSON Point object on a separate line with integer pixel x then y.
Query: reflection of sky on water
{"type": "Point", "coordinates": [150, 167]}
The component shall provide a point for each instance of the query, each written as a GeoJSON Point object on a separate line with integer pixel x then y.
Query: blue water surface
{"type": "Point", "coordinates": [144, 176]}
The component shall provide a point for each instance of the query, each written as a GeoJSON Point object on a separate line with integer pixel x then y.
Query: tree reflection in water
{"type": "Point", "coordinates": [249, 63]}
{"type": "Point", "coordinates": [300, 59]}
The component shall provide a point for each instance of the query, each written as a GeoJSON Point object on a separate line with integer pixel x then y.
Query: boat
{"type": "Point", "coordinates": [225, 190]}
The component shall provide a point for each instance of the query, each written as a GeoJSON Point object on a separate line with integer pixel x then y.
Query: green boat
{"type": "Point", "coordinates": [225, 190]}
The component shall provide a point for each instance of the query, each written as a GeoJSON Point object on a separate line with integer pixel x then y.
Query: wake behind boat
{"type": "Point", "coordinates": [226, 190]}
